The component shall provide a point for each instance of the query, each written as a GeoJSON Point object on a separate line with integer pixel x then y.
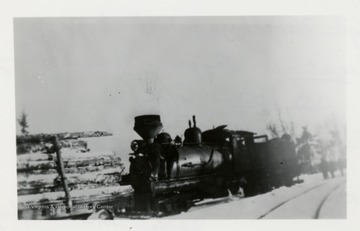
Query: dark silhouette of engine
{"type": "Point", "coordinates": [170, 174]}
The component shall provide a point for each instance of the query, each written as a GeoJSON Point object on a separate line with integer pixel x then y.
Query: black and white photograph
{"type": "Point", "coordinates": [208, 117]}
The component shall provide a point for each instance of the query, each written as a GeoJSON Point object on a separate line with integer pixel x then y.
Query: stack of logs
{"type": "Point", "coordinates": [38, 170]}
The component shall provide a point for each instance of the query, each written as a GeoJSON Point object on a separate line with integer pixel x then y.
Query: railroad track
{"type": "Point", "coordinates": [318, 210]}
{"type": "Point", "coordinates": [313, 199]}
{"type": "Point", "coordinates": [303, 194]}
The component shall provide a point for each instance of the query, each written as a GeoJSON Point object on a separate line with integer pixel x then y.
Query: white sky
{"type": "Point", "coordinates": [81, 74]}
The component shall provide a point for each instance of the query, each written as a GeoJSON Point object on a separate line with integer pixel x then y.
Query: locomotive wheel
{"type": "Point", "coordinates": [119, 211]}
{"type": "Point", "coordinates": [266, 188]}
{"type": "Point", "coordinates": [101, 215]}
{"type": "Point", "coordinates": [289, 182]}
{"type": "Point", "coordinates": [187, 205]}
{"type": "Point", "coordinates": [234, 189]}
{"type": "Point", "coordinates": [250, 190]}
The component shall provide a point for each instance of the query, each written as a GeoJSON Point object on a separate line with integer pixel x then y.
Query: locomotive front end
{"type": "Point", "coordinates": [145, 162]}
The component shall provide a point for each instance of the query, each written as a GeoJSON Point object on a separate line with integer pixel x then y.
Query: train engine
{"type": "Point", "coordinates": [170, 174]}
{"type": "Point", "coordinates": [160, 168]}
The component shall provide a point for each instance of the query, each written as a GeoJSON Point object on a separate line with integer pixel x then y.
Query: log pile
{"type": "Point", "coordinates": [75, 194]}
{"type": "Point", "coordinates": [32, 139]}
{"type": "Point", "coordinates": [101, 176]}
{"type": "Point", "coordinates": [40, 142]}
{"type": "Point", "coordinates": [71, 158]}
{"type": "Point", "coordinates": [38, 172]}
{"type": "Point", "coordinates": [38, 169]}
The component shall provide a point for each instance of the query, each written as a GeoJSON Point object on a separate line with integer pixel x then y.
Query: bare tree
{"type": "Point", "coordinates": [273, 130]}
{"type": "Point", "coordinates": [282, 123]}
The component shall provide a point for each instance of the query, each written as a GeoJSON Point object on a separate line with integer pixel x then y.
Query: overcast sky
{"type": "Point", "coordinates": [81, 74]}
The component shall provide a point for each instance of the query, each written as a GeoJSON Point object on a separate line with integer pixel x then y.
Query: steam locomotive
{"type": "Point", "coordinates": [171, 174]}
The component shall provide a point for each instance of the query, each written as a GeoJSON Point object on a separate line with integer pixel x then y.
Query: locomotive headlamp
{"type": "Point", "coordinates": [134, 145]}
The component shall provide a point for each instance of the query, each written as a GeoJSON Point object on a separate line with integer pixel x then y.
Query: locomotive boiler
{"type": "Point", "coordinates": [173, 173]}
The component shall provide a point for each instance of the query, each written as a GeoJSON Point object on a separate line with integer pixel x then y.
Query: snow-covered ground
{"type": "Point", "coordinates": [315, 198]}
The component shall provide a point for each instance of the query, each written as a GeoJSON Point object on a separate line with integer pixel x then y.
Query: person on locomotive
{"type": "Point", "coordinates": [155, 154]}
{"type": "Point", "coordinates": [154, 159]}
{"type": "Point", "coordinates": [144, 162]}
{"type": "Point", "coordinates": [167, 156]}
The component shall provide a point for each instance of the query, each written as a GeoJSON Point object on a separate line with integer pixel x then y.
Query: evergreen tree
{"type": "Point", "coordinates": [23, 123]}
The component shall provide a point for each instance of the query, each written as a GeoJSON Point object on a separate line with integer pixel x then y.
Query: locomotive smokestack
{"type": "Point", "coordinates": [148, 126]}
{"type": "Point", "coordinates": [189, 124]}
{"type": "Point", "coordinates": [194, 121]}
